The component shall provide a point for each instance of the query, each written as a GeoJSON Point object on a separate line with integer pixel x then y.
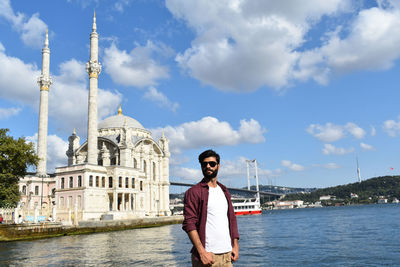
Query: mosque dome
{"type": "Point", "coordinates": [118, 121]}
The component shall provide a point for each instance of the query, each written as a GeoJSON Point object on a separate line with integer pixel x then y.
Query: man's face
{"type": "Point", "coordinates": [210, 167]}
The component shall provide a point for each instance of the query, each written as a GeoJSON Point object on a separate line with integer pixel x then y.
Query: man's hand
{"type": "Point", "coordinates": [235, 250]}
{"type": "Point", "coordinates": [207, 258]}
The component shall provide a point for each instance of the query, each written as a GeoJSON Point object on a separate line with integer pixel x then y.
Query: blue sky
{"type": "Point", "coordinates": [304, 88]}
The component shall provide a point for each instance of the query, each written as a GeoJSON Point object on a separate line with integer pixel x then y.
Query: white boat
{"type": "Point", "coordinates": [248, 206]}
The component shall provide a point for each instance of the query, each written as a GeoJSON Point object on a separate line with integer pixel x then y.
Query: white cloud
{"type": "Point", "coordinates": [31, 29]}
{"type": "Point", "coordinates": [210, 132]}
{"type": "Point", "coordinates": [331, 165]}
{"type": "Point", "coordinates": [256, 48]}
{"type": "Point", "coordinates": [56, 148]}
{"type": "Point", "coordinates": [373, 131]}
{"type": "Point", "coordinates": [370, 44]}
{"type": "Point", "coordinates": [355, 130]}
{"type": "Point", "coordinates": [331, 132]}
{"type": "Point", "coordinates": [120, 5]}
{"type": "Point", "coordinates": [330, 149]}
{"type": "Point", "coordinates": [5, 113]}
{"type": "Point", "coordinates": [392, 127]}
{"type": "Point", "coordinates": [160, 99]}
{"type": "Point", "coordinates": [366, 146]}
{"type": "Point", "coordinates": [265, 42]}
{"type": "Point", "coordinates": [68, 95]}
{"type": "Point", "coordinates": [136, 68]}
{"type": "Point", "coordinates": [292, 166]}
{"type": "Point", "coordinates": [328, 133]}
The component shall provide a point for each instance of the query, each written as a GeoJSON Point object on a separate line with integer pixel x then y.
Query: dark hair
{"type": "Point", "coordinates": [208, 153]}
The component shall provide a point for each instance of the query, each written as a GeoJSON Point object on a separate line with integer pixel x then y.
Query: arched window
{"type": "Point", "coordinates": [62, 183]}
{"type": "Point", "coordinates": [134, 163]}
{"type": "Point", "coordinates": [91, 180]}
{"type": "Point", "coordinates": [141, 185]}
{"type": "Point", "coordinates": [154, 171]}
{"type": "Point", "coordinates": [145, 167]}
{"type": "Point", "coordinates": [110, 182]}
{"type": "Point", "coordinates": [71, 182]}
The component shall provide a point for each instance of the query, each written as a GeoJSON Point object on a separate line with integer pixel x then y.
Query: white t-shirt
{"type": "Point", "coordinates": [218, 239]}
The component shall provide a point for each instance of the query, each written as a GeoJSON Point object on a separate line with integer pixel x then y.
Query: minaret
{"type": "Point", "coordinates": [93, 67]}
{"type": "Point", "coordinates": [44, 82]}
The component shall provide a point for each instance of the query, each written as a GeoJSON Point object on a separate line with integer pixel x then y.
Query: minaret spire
{"type": "Point", "coordinates": [93, 68]}
{"type": "Point", "coordinates": [94, 28]}
{"type": "Point", "coordinates": [44, 82]}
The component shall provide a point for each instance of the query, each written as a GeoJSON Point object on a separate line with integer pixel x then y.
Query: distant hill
{"type": "Point", "coordinates": [282, 189]}
{"type": "Point", "coordinates": [368, 191]}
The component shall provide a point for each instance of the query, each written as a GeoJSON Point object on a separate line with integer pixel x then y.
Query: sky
{"type": "Point", "coordinates": [304, 87]}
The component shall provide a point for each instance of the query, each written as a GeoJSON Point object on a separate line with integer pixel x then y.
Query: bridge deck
{"type": "Point", "coordinates": [236, 189]}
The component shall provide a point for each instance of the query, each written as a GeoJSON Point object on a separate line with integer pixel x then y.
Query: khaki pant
{"type": "Point", "coordinates": [220, 260]}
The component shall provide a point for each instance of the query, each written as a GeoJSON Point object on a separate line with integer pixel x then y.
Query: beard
{"type": "Point", "coordinates": [211, 175]}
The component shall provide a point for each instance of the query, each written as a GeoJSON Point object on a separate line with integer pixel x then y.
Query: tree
{"type": "Point", "coordinates": [15, 157]}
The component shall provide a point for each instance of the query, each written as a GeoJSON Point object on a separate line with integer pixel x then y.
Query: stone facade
{"type": "Point", "coordinates": [130, 179]}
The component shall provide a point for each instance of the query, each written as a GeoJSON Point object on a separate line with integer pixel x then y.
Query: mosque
{"type": "Point", "coordinates": [119, 172]}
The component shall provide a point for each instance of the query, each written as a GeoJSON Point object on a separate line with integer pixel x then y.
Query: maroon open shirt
{"type": "Point", "coordinates": [195, 212]}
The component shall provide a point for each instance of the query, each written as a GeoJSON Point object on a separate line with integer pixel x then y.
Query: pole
{"type": "Point", "coordinates": [248, 174]}
{"type": "Point", "coordinates": [258, 190]}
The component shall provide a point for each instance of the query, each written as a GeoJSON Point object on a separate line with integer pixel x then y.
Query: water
{"type": "Point", "coordinates": [337, 236]}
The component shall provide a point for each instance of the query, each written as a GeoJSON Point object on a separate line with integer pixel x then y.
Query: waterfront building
{"type": "Point", "coordinates": [119, 172]}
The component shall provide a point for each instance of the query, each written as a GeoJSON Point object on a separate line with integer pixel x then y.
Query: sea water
{"type": "Point", "coordinates": [333, 236]}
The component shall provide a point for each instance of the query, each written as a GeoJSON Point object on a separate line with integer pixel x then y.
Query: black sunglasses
{"type": "Point", "coordinates": [211, 163]}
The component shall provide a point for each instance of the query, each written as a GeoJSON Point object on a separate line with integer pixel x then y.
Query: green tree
{"type": "Point", "coordinates": [15, 157]}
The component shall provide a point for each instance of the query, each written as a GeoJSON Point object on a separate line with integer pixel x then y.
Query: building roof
{"type": "Point", "coordinates": [118, 121]}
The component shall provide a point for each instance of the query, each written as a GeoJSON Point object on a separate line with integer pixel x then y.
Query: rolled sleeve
{"type": "Point", "coordinates": [190, 211]}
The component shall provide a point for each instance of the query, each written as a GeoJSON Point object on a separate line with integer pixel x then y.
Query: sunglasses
{"type": "Point", "coordinates": [211, 163]}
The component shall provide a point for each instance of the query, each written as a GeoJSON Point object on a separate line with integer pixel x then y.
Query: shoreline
{"type": "Point", "coordinates": [24, 232]}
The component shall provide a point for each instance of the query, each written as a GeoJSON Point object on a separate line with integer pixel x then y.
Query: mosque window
{"type": "Point", "coordinates": [37, 190]}
{"type": "Point", "coordinates": [154, 171]}
{"type": "Point", "coordinates": [141, 185]}
{"type": "Point", "coordinates": [126, 182]}
{"type": "Point", "coordinates": [103, 181]}
{"type": "Point", "coordinates": [120, 181]}
{"type": "Point", "coordinates": [110, 182]}
{"type": "Point", "coordinates": [62, 183]}
{"type": "Point", "coordinates": [90, 180]}
{"type": "Point", "coordinates": [133, 182]}
{"type": "Point", "coordinates": [79, 181]}
{"type": "Point", "coordinates": [97, 181]}
{"type": "Point", "coordinates": [71, 182]}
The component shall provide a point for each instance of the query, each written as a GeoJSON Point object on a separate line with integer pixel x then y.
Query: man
{"type": "Point", "coordinates": [209, 219]}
